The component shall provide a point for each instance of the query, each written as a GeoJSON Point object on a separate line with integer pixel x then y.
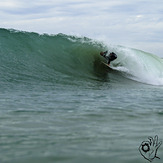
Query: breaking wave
{"type": "Point", "coordinates": [30, 57]}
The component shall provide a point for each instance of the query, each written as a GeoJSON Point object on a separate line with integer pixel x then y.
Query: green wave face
{"type": "Point", "coordinates": [30, 57]}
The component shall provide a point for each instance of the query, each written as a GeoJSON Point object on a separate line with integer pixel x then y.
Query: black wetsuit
{"type": "Point", "coordinates": [112, 56]}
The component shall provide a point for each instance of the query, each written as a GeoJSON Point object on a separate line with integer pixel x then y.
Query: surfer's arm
{"type": "Point", "coordinates": [104, 53]}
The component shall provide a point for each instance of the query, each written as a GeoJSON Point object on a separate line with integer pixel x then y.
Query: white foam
{"type": "Point", "coordinates": [140, 66]}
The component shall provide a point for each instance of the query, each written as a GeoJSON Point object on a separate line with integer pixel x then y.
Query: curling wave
{"type": "Point", "coordinates": [29, 57]}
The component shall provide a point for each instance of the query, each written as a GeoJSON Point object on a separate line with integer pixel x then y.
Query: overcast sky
{"type": "Point", "coordinates": [132, 23]}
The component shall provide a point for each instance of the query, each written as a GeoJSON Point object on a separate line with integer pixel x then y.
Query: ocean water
{"type": "Point", "coordinates": [60, 104]}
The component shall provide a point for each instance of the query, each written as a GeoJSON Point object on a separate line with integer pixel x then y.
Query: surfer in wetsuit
{"type": "Point", "coordinates": [112, 56]}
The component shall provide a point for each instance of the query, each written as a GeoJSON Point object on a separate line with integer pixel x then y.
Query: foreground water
{"type": "Point", "coordinates": [59, 103]}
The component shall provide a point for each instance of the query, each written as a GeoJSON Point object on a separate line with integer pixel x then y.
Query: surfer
{"type": "Point", "coordinates": [112, 56]}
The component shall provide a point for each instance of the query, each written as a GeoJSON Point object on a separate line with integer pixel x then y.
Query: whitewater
{"type": "Point", "coordinates": [60, 103]}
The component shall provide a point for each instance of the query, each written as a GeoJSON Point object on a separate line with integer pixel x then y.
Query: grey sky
{"type": "Point", "coordinates": [133, 23]}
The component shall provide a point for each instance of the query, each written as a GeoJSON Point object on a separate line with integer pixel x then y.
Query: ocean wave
{"type": "Point", "coordinates": [27, 57]}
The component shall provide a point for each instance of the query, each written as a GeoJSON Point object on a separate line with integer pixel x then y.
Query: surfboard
{"type": "Point", "coordinates": [106, 65]}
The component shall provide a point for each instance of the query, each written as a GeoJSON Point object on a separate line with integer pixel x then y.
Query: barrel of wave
{"type": "Point", "coordinates": [138, 65]}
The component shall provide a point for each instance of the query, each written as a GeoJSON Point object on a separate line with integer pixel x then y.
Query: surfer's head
{"type": "Point", "coordinates": [103, 53]}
